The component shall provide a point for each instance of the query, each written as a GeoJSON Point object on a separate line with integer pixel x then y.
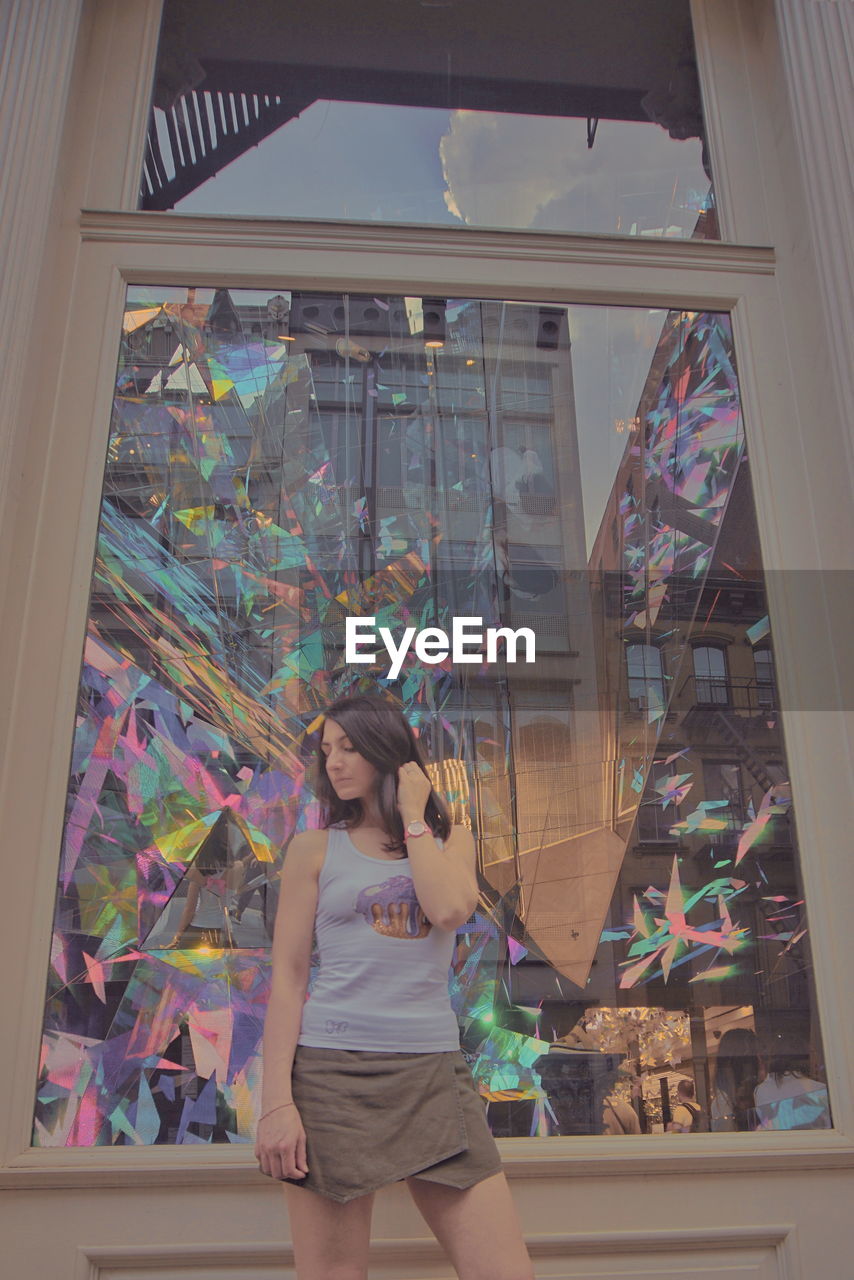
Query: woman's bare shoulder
{"type": "Point", "coordinates": [306, 851]}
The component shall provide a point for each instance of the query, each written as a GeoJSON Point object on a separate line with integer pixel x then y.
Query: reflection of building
{"type": "Point", "coordinates": [460, 448]}
{"type": "Point", "coordinates": [691, 703]}
{"type": "Point", "coordinates": [462, 451]}
{"type": "Point", "coordinates": [700, 727]}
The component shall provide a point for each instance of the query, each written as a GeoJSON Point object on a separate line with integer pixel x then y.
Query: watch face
{"type": "Point", "coordinates": [415, 828]}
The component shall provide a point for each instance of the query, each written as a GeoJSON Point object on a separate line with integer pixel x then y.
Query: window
{"type": "Point", "coordinates": [724, 790]}
{"type": "Point", "coordinates": [248, 508]}
{"type": "Point", "coordinates": [646, 676]}
{"type": "Point", "coordinates": [655, 510]}
{"type": "Point", "coordinates": [660, 808]}
{"type": "Point", "coordinates": [710, 675]}
{"type": "Point", "coordinates": [476, 118]}
{"type": "Point", "coordinates": [766, 679]}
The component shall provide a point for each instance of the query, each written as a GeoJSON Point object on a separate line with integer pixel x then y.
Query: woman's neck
{"type": "Point", "coordinates": [371, 819]}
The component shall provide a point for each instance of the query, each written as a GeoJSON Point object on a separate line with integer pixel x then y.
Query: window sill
{"type": "Point", "coordinates": [663, 1154]}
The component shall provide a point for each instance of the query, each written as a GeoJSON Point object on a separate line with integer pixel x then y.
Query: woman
{"type": "Point", "coordinates": [736, 1077]}
{"type": "Point", "coordinates": [788, 1097]}
{"type": "Point", "coordinates": [364, 1083]}
{"type": "Point", "coordinates": [212, 882]}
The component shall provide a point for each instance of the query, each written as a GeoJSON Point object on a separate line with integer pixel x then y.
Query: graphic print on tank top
{"type": "Point", "coordinates": [392, 909]}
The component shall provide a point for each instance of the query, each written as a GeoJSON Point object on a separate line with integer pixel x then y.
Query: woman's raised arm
{"type": "Point", "coordinates": [445, 879]}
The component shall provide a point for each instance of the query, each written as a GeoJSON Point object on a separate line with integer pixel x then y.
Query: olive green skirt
{"type": "Point", "coordinates": [372, 1118]}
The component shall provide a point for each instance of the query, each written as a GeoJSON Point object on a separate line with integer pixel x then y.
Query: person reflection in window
{"type": "Point", "coordinates": [213, 882]}
{"type": "Point", "coordinates": [687, 1115]}
{"type": "Point", "coordinates": [788, 1097]}
{"type": "Point", "coordinates": [619, 1116]}
{"type": "Point", "coordinates": [736, 1078]}
{"type": "Point", "coordinates": [533, 479]}
{"type": "Point", "coordinates": [208, 918]}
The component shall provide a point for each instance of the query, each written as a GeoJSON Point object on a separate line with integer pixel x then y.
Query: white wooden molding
{"type": "Point", "coordinates": [37, 48]}
{"type": "Point", "coordinates": [817, 40]}
{"type": "Point", "coordinates": [166, 249]}
{"type": "Point", "coordinates": [742, 1253]}
{"type": "Point", "coordinates": [246, 232]}
{"type": "Point", "coordinates": [733, 146]}
{"type": "Point", "coordinates": [701, 1155]}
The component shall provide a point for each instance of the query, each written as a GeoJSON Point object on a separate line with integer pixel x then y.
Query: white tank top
{"type": "Point", "coordinates": [210, 911]}
{"type": "Point", "coordinates": [382, 982]}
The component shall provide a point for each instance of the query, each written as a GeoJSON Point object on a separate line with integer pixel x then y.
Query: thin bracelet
{"type": "Point", "coordinates": [278, 1108]}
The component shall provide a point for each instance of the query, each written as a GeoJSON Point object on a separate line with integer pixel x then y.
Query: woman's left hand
{"type": "Point", "coordinates": [413, 791]}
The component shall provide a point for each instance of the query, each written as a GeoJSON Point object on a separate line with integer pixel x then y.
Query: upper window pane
{"type": "Point", "coordinates": [565, 117]}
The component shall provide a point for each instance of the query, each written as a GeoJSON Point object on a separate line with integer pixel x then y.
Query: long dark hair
{"type": "Point", "coordinates": [787, 1053]}
{"type": "Point", "coordinates": [737, 1073]}
{"type": "Point", "coordinates": [380, 732]}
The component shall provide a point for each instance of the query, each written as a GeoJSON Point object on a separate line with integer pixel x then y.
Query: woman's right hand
{"type": "Point", "coordinates": [280, 1144]}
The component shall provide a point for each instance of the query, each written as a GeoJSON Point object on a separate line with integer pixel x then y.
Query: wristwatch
{"type": "Point", "coordinates": [414, 829]}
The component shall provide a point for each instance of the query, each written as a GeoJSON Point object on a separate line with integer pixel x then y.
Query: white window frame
{"type": "Point", "coordinates": [798, 496]}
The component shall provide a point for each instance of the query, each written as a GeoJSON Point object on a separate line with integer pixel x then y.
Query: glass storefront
{"type": "Point", "coordinates": [569, 487]}
{"type": "Point", "coordinates": [567, 117]}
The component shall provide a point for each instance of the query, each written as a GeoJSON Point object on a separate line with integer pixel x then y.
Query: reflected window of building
{"type": "Point", "coordinates": [766, 678]}
{"type": "Point", "coordinates": [660, 808]}
{"type": "Point", "coordinates": [724, 787]}
{"type": "Point", "coordinates": [572, 117]}
{"type": "Point", "coordinates": [646, 676]}
{"type": "Point", "coordinates": [710, 674]}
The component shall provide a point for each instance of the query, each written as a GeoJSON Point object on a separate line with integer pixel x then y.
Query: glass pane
{"type": "Point", "coordinates": [710, 682]}
{"type": "Point", "coordinates": [646, 677]}
{"type": "Point", "coordinates": [565, 117]}
{"type": "Point", "coordinates": [282, 463]}
{"type": "Point", "coordinates": [766, 678]}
